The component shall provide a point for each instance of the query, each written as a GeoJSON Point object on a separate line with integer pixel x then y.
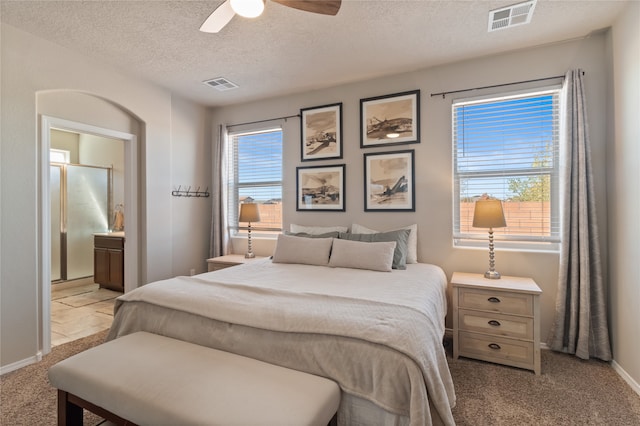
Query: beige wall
{"type": "Point", "coordinates": [39, 77]}
{"type": "Point", "coordinates": [66, 141]}
{"type": "Point", "coordinates": [433, 155]}
{"type": "Point", "coordinates": [623, 158]}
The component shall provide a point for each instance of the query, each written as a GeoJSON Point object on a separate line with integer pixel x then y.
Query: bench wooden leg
{"type": "Point", "coordinates": [69, 414]}
{"type": "Point", "coordinates": [70, 411]}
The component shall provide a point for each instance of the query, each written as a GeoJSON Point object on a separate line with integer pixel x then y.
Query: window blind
{"type": "Point", "coordinates": [508, 148]}
{"type": "Point", "coordinates": [255, 175]}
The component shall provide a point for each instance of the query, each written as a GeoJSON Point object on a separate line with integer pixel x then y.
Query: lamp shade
{"type": "Point", "coordinates": [488, 214]}
{"type": "Point", "coordinates": [249, 213]}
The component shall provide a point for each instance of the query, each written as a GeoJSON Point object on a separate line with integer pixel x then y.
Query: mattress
{"type": "Point", "coordinates": [377, 334]}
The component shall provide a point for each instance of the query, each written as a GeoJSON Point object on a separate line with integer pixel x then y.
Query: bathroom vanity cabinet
{"type": "Point", "coordinates": [108, 260]}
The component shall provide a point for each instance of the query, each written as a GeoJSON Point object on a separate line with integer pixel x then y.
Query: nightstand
{"type": "Point", "coordinates": [221, 262]}
{"type": "Point", "coordinates": [497, 320]}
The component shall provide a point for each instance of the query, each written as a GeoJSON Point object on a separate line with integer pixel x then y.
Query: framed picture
{"type": "Point", "coordinates": [389, 181]}
{"type": "Point", "coordinates": [321, 188]}
{"type": "Point", "coordinates": [321, 132]}
{"type": "Point", "coordinates": [390, 120]}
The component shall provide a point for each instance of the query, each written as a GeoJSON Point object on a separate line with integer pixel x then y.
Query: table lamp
{"type": "Point", "coordinates": [489, 214]}
{"type": "Point", "coordinates": [249, 212]}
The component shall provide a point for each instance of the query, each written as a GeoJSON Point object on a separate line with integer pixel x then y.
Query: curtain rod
{"type": "Point", "coordinates": [496, 85]}
{"type": "Point", "coordinates": [263, 121]}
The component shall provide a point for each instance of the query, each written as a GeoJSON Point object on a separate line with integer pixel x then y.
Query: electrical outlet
{"type": "Point", "coordinates": [192, 271]}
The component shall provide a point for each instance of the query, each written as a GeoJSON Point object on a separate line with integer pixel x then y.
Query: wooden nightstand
{"type": "Point", "coordinates": [497, 320]}
{"type": "Point", "coordinates": [221, 262]}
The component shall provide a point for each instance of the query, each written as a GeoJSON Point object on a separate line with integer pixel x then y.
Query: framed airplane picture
{"type": "Point", "coordinates": [390, 119]}
{"type": "Point", "coordinates": [389, 181]}
{"type": "Point", "coordinates": [320, 188]}
{"type": "Point", "coordinates": [321, 132]}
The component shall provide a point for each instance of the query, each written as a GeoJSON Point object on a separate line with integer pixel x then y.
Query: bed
{"type": "Point", "coordinates": [377, 334]}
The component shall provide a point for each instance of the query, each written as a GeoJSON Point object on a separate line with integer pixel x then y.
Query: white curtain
{"type": "Point", "coordinates": [219, 242]}
{"type": "Point", "coordinates": [580, 325]}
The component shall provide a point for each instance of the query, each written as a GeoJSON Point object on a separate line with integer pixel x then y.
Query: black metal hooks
{"type": "Point", "coordinates": [189, 193]}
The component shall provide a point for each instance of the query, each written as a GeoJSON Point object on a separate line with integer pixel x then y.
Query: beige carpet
{"type": "Point", "coordinates": [568, 392]}
{"type": "Point", "coordinates": [27, 398]}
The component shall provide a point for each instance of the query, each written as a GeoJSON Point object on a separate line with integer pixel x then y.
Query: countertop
{"type": "Point", "coordinates": [117, 234]}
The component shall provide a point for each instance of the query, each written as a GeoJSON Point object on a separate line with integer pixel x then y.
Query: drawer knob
{"type": "Point", "coordinates": [493, 300]}
{"type": "Point", "coordinates": [494, 323]}
{"type": "Point", "coordinates": [494, 346]}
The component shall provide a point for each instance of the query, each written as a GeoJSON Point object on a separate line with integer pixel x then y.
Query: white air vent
{"type": "Point", "coordinates": [511, 16]}
{"type": "Point", "coordinates": [221, 84]}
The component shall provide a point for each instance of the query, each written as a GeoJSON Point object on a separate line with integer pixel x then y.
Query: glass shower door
{"type": "Point", "coordinates": [86, 213]}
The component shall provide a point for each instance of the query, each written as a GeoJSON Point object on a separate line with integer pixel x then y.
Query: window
{"type": "Point", "coordinates": [255, 175]}
{"type": "Point", "coordinates": [59, 156]}
{"type": "Point", "coordinates": [508, 148]}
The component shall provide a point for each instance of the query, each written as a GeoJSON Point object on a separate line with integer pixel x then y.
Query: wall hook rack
{"type": "Point", "coordinates": [189, 193]}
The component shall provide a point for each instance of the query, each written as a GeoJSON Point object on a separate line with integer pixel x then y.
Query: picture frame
{"type": "Point", "coordinates": [389, 181]}
{"type": "Point", "coordinates": [320, 188]}
{"type": "Point", "coordinates": [390, 119]}
{"type": "Point", "coordinates": [321, 132]}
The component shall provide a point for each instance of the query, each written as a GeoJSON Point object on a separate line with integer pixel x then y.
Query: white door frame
{"type": "Point", "coordinates": [130, 200]}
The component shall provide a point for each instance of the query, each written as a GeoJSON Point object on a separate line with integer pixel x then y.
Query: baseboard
{"type": "Point", "coordinates": [19, 364]}
{"type": "Point", "coordinates": [626, 377]}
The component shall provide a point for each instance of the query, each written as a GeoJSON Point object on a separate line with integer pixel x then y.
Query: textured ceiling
{"type": "Point", "coordinates": [285, 50]}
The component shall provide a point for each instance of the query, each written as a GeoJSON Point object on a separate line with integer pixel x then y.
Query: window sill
{"type": "Point", "coordinates": [533, 247]}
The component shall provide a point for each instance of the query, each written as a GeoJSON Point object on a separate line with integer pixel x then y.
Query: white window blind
{"type": "Point", "coordinates": [508, 148]}
{"type": "Point", "coordinates": [255, 175]}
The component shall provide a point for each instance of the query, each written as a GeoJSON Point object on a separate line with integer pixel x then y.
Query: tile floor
{"type": "Point", "coordinates": [78, 309]}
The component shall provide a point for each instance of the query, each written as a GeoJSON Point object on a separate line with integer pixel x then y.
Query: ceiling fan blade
{"type": "Point", "coordinates": [218, 18]}
{"type": "Point", "coordinates": [324, 7]}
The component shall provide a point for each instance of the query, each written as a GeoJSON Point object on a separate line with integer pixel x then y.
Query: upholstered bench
{"type": "Point", "coordinates": [148, 379]}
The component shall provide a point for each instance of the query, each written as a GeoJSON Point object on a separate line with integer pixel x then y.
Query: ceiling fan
{"type": "Point", "coordinates": [253, 8]}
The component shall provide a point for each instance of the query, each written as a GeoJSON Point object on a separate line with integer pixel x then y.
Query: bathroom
{"type": "Point", "coordinates": [87, 204]}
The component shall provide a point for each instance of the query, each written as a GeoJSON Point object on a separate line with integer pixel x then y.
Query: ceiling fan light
{"type": "Point", "coordinates": [248, 8]}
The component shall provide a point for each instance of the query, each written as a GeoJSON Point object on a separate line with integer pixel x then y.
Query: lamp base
{"type": "Point", "coordinates": [492, 275]}
{"type": "Point", "coordinates": [251, 256]}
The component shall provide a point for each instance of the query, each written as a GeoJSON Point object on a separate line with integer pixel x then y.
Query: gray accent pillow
{"type": "Point", "coordinates": [308, 251]}
{"type": "Point", "coordinates": [316, 229]}
{"type": "Point", "coordinates": [401, 237]}
{"type": "Point", "coordinates": [362, 255]}
{"type": "Point", "coordinates": [333, 234]}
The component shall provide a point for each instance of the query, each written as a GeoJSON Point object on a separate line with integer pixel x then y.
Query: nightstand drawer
{"type": "Point", "coordinates": [496, 301]}
{"type": "Point", "coordinates": [496, 349]}
{"type": "Point", "coordinates": [496, 324]}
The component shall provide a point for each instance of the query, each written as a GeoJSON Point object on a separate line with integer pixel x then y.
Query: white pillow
{"type": "Point", "coordinates": [412, 243]}
{"type": "Point", "coordinates": [361, 255]}
{"type": "Point", "coordinates": [315, 230]}
{"type": "Point", "coordinates": [308, 251]}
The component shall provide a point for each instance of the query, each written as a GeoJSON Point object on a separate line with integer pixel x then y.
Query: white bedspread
{"type": "Point", "coordinates": [377, 334]}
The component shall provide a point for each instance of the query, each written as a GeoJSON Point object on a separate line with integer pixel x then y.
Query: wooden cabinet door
{"type": "Point", "coordinates": [116, 269]}
{"type": "Point", "coordinates": [101, 266]}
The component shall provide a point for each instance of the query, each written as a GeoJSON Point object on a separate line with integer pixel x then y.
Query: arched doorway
{"type": "Point", "coordinates": [74, 111]}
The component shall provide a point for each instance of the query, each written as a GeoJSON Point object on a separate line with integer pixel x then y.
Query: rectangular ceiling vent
{"type": "Point", "coordinates": [221, 84]}
{"type": "Point", "coordinates": [511, 16]}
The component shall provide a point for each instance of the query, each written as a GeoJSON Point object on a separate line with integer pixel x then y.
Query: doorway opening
{"type": "Point", "coordinates": [100, 152]}
{"type": "Point", "coordinates": [86, 187]}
